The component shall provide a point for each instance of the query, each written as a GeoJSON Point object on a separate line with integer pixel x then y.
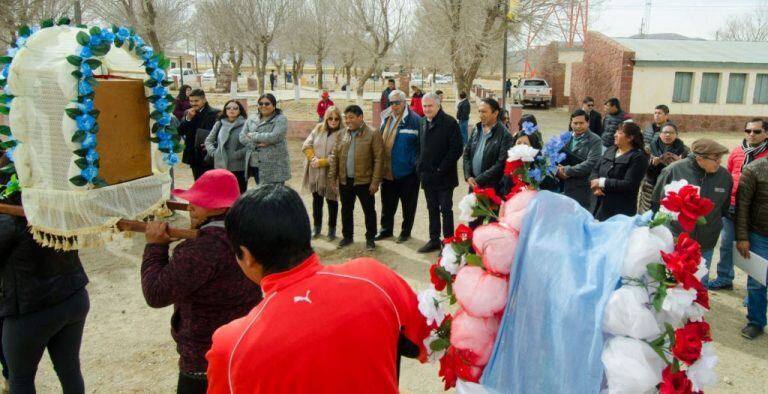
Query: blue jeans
{"type": "Point", "coordinates": [463, 128]}
{"type": "Point", "coordinates": [725, 266]}
{"type": "Point", "coordinates": [707, 255]}
{"type": "Point", "coordinates": [757, 294]}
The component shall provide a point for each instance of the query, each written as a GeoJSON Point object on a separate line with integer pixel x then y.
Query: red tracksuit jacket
{"type": "Point", "coordinates": [319, 329]}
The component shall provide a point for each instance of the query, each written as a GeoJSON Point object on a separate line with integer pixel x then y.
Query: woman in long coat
{"type": "Point", "coordinates": [317, 147]}
{"type": "Point", "coordinates": [266, 152]}
{"type": "Point", "coordinates": [666, 148]}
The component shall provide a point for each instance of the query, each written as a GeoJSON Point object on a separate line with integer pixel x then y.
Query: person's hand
{"type": "Point", "coordinates": [314, 163]}
{"type": "Point", "coordinates": [373, 188]}
{"type": "Point", "coordinates": [561, 173]}
{"type": "Point", "coordinates": [594, 184]}
{"type": "Point", "coordinates": [157, 233]}
{"type": "Point", "coordinates": [598, 192]}
{"type": "Point", "coordinates": [335, 187]}
{"type": "Point", "coordinates": [655, 160]}
{"type": "Point", "coordinates": [191, 113]}
{"type": "Point", "coordinates": [472, 183]}
{"type": "Point", "coordinates": [743, 248]}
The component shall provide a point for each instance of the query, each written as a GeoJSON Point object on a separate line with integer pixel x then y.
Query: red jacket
{"type": "Point", "coordinates": [323, 106]}
{"type": "Point", "coordinates": [416, 104]}
{"type": "Point", "coordinates": [735, 162]}
{"type": "Point", "coordinates": [319, 329]}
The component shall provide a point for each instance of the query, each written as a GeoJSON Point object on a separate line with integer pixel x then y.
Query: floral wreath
{"type": "Point", "coordinates": [95, 44]}
{"type": "Point", "coordinates": [665, 280]}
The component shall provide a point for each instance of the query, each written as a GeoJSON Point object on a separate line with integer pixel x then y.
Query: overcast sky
{"type": "Point", "coordinates": [693, 18]}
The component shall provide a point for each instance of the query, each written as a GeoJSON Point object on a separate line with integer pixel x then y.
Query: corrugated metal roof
{"type": "Point", "coordinates": [649, 50]}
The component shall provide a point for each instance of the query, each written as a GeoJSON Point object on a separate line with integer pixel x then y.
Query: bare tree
{"type": "Point", "coordinates": [223, 35]}
{"type": "Point", "coordinates": [752, 26]}
{"type": "Point", "coordinates": [210, 38]}
{"type": "Point", "coordinates": [318, 23]}
{"type": "Point", "coordinates": [16, 13]}
{"type": "Point", "coordinates": [163, 23]}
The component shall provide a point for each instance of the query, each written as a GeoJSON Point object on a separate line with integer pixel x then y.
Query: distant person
{"type": "Point", "coordinates": [440, 94]}
{"type": "Point", "coordinates": [752, 237]}
{"type": "Point", "coordinates": [416, 100]}
{"type": "Point", "coordinates": [666, 148]}
{"type": "Point", "coordinates": [272, 80]}
{"type": "Point", "coordinates": [318, 148]}
{"type": "Point", "coordinates": [753, 147]}
{"type": "Point", "coordinates": [323, 105]}
{"type": "Point", "coordinates": [201, 279]}
{"type": "Point", "coordinates": [614, 116]}
{"type": "Point", "coordinates": [43, 304]}
{"type": "Point", "coordinates": [595, 120]}
{"type": "Point", "coordinates": [616, 178]}
{"type": "Point", "coordinates": [463, 109]}
{"type": "Point", "coordinates": [384, 101]}
{"type": "Point", "coordinates": [197, 123]}
{"type": "Point", "coordinates": [223, 143]}
{"type": "Point", "coordinates": [583, 154]}
{"type": "Point", "coordinates": [508, 87]}
{"type": "Point", "coordinates": [181, 103]}
{"type": "Point", "coordinates": [338, 328]}
{"type": "Point", "coordinates": [486, 152]}
{"type": "Point", "coordinates": [267, 149]}
{"type": "Point", "coordinates": [400, 134]}
{"type": "Point", "coordinates": [439, 149]}
{"type": "Point", "coordinates": [660, 118]}
{"type": "Point", "coordinates": [356, 166]}
{"type": "Point", "coordinates": [701, 169]}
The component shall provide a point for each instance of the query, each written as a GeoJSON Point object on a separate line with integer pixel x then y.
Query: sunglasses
{"type": "Point", "coordinates": [334, 119]}
{"type": "Point", "coordinates": [754, 131]}
{"type": "Point", "coordinates": [590, 105]}
{"type": "Point", "coordinates": [396, 102]}
{"type": "Point", "coordinates": [265, 104]}
{"type": "Point", "coordinates": [233, 108]}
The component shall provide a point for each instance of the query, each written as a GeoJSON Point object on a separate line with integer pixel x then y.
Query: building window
{"type": "Point", "coordinates": [683, 85]}
{"type": "Point", "coordinates": [736, 85]}
{"type": "Point", "coordinates": [189, 65]}
{"type": "Point", "coordinates": [709, 82]}
{"type": "Point", "coordinates": [761, 89]}
{"type": "Point", "coordinates": [173, 64]}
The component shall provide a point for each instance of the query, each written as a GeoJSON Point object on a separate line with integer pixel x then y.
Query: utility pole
{"type": "Point", "coordinates": [645, 26]}
{"type": "Point", "coordinates": [505, 6]}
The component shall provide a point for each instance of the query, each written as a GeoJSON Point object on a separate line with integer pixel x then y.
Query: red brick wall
{"type": "Point", "coordinates": [700, 122]}
{"type": "Point", "coordinates": [554, 73]}
{"type": "Point", "coordinates": [605, 72]}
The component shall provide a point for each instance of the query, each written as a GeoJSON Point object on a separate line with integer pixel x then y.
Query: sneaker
{"type": "Point", "coordinates": [370, 245]}
{"type": "Point", "coordinates": [751, 331]}
{"type": "Point", "coordinates": [402, 238]}
{"type": "Point", "coordinates": [430, 246]}
{"type": "Point", "coordinates": [382, 235]}
{"type": "Point", "coordinates": [344, 242]}
{"type": "Point", "coordinates": [719, 284]}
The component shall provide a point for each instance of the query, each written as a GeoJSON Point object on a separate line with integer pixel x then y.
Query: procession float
{"type": "Point", "coordinates": [540, 298]}
{"type": "Point", "coordinates": [89, 134]}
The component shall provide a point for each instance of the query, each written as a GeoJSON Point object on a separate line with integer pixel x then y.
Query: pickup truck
{"type": "Point", "coordinates": [533, 91]}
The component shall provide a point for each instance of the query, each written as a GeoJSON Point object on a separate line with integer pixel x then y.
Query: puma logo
{"type": "Point", "coordinates": [297, 299]}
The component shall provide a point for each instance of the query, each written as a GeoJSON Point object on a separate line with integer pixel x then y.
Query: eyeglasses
{"type": "Point", "coordinates": [753, 131]}
{"type": "Point", "coordinates": [265, 103]}
{"type": "Point", "coordinates": [590, 105]}
{"type": "Point", "coordinates": [233, 108]}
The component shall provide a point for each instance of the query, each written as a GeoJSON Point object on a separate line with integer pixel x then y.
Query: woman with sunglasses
{"type": "Point", "coordinates": [666, 148]}
{"type": "Point", "coordinates": [223, 142]}
{"type": "Point", "coordinates": [266, 154]}
{"type": "Point", "coordinates": [317, 148]}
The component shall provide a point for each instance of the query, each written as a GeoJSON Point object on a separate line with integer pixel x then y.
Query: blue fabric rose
{"type": "Point", "coordinates": [21, 41]}
{"type": "Point", "coordinates": [535, 174]}
{"type": "Point", "coordinates": [91, 156]}
{"type": "Point", "coordinates": [5, 71]}
{"type": "Point", "coordinates": [159, 91]}
{"type": "Point", "coordinates": [165, 120]}
{"type": "Point", "coordinates": [148, 52]}
{"type": "Point", "coordinates": [85, 69]}
{"type": "Point", "coordinates": [9, 153]}
{"type": "Point", "coordinates": [158, 75]}
{"type": "Point", "coordinates": [89, 142]}
{"type": "Point", "coordinates": [171, 159]}
{"type": "Point", "coordinates": [85, 122]}
{"type": "Point", "coordinates": [84, 88]}
{"type": "Point", "coordinates": [138, 41]}
{"type": "Point", "coordinates": [86, 106]}
{"type": "Point", "coordinates": [163, 136]}
{"type": "Point", "coordinates": [107, 35]}
{"type": "Point", "coordinates": [122, 34]}
{"type": "Point", "coordinates": [529, 128]}
{"type": "Point", "coordinates": [166, 145]}
{"type": "Point", "coordinates": [89, 173]}
{"type": "Point", "coordinates": [153, 63]}
{"type": "Point", "coordinates": [12, 51]}
{"type": "Point", "coordinates": [161, 104]}
{"type": "Point", "coordinates": [94, 41]}
{"type": "Point", "coordinates": [86, 53]}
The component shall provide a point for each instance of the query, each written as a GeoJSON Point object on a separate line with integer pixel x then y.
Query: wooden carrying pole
{"type": "Point", "coordinates": [124, 224]}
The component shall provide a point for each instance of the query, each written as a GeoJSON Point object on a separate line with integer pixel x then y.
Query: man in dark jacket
{"type": "Point", "coordinates": [583, 154]}
{"type": "Point", "coordinates": [197, 123]}
{"type": "Point", "coordinates": [439, 150]}
{"type": "Point", "coordinates": [660, 118]}
{"type": "Point", "coordinates": [702, 169]}
{"type": "Point", "coordinates": [400, 134]}
{"type": "Point", "coordinates": [486, 151]}
{"type": "Point", "coordinates": [752, 234]}
{"type": "Point", "coordinates": [594, 117]}
{"type": "Point", "coordinates": [385, 94]}
{"type": "Point", "coordinates": [462, 115]}
{"type": "Point", "coordinates": [614, 116]}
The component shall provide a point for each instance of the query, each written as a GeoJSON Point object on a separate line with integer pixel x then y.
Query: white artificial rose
{"type": "Point", "coordinates": [666, 237]}
{"type": "Point", "coordinates": [627, 314]}
{"type": "Point", "coordinates": [466, 206]}
{"type": "Point", "coordinates": [522, 152]}
{"type": "Point", "coordinates": [432, 356]}
{"type": "Point", "coordinates": [449, 260]}
{"type": "Point", "coordinates": [675, 186]}
{"type": "Point", "coordinates": [631, 366]}
{"type": "Point", "coordinates": [430, 307]}
{"type": "Point", "coordinates": [702, 372]}
{"type": "Point", "coordinates": [676, 303]}
{"type": "Point", "coordinates": [642, 249]}
{"type": "Point", "coordinates": [702, 269]}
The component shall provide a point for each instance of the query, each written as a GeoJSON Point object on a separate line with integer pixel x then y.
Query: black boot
{"type": "Point", "coordinates": [331, 233]}
{"type": "Point", "coordinates": [316, 233]}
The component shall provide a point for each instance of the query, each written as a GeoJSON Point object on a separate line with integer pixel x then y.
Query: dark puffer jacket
{"type": "Point", "coordinates": [752, 200]}
{"type": "Point", "coordinates": [611, 124]}
{"type": "Point", "coordinates": [34, 277]}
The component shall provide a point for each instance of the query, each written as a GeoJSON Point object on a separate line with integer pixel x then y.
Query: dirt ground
{"type": "Point", "coordinates": [127, 347]}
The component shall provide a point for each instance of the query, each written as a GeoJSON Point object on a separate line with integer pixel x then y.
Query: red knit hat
{"type": "Point", "coordinates": [215, 189]}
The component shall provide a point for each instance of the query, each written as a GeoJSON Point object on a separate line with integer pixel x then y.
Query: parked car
{"type": "Point", "coordinates": [533, 91]}
{"type": "Point", "coordinates": [188, 73]}
{"type": "Point", "coordinates": [208, 76]}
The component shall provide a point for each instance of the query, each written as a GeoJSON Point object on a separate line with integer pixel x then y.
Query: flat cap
{"type": "Point", "coordinates": [706, 146]}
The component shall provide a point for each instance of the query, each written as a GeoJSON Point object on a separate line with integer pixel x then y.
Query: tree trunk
{"type": "Point", "coordinates": [319, 70]}
{"type": "Point", "coordinates": [148, 14]}
{"type": "Point", "coordinates": [364, 78]}
{"type": "Point", "coordinates": [263, 66]}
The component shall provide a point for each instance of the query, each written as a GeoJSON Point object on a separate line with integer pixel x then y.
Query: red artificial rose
{"type": "Point", "coordinates": [448, 368]}
{"type": "Point", "coordinates": [689, 205]}
{"type": "Point", "coordinates": [702, 329]}
{"type": "Point", "coordinates": [467, 372]}
{"type": "Point", "coordinates": [463, 233]}
{"type": "Point", "coordinates": [688, 247]}
{"type": "Point", "coordinates": [511, 166]}
{"type": "Point", "coordinates": [675, 382]}
{"type": "Point", "coordinates": [682, 268]}
{"type": "Point", "coordinates": [518, 185]}
{"type": "Point", "coordinates": [687, 346]}
{"type": "Point", "coordinates": [702, 295]}
{"type": "Point", "coordinates": [436, 280]}
{"type": "Point", "coordinates": [489, 193]}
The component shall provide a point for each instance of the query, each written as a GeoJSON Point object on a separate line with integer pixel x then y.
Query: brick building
{"type": "Point", "coordinates": [708, 85]}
